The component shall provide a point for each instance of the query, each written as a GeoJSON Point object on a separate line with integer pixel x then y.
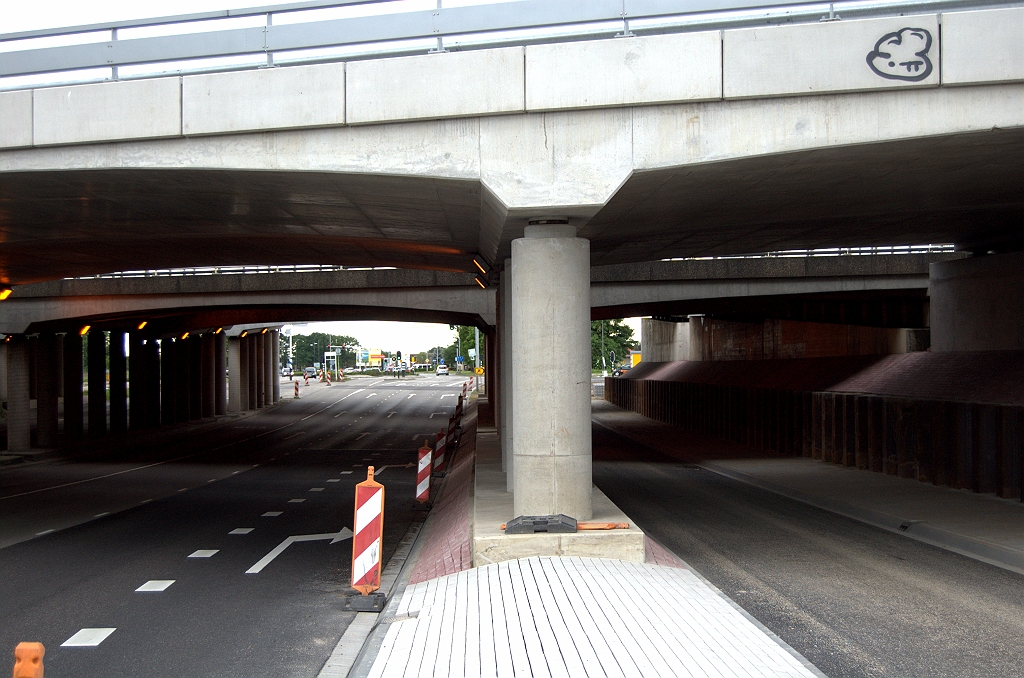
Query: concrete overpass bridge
{"type": "Point", "coordinates": [537, 162]}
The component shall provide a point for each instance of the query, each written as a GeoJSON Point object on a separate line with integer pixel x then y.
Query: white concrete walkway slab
{"type": "Point", "coordinates": [569, 617]}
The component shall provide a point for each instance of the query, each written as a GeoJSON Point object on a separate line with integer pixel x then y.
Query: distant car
{"type": "Point", "coordinates": [621, 369]}
{"type": "Point", "coordinates": [441, 369]}
{"type": "Point", "coordinates": [286, 372]}
{"type": "Point", "coordinates": [309, 372]}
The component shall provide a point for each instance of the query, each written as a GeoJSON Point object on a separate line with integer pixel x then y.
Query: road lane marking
{"type": "Point", "coordinates": [241, 530]}
{"type": "Point", "coordinates": [360, 390]}
{"type": "Point", "coordinates": [300, 433]}
{"type": "Point", "coordinates": [391, 414]}
{"type": "Point", "coordinates": [334, 480]}
{"type": "Point", "coordinates": [155, 585]}
{"type": "Point", "coordinates": [438, 413]}
{"type": "Point", "coordinates": [296, 501]}
{"type": "Point", "coordinates": [377, 472]}
{"type": "Point", "coordinates": [100, 515]}
{"type": "Point", "coordinates": [271, 514]}
{"type": "Point", "coordinates": [347, 473]}
{"type": "Point", "coordinates": [88, 638]}
{"type": "Point", "coordinates": [410, 396]}
{"type": "Point", "coordinates": [40, 534]}
{"type": "Point", "coordinates": [362, 435]}
{"type": "Point", "coordinates": [370, 396]}
{"type": "Point", "coordinates": [448, 395]}
{"type": "Point", "coordinates": [203, 553]}
{"type": "Point", "coordinates": [183, 489]}
{"type": "Point", "coordinates": [316, 489]}
{"type": "Point", "coordinates": [335, 537]}
{"type": "Point", "coordinates": [340, 413]}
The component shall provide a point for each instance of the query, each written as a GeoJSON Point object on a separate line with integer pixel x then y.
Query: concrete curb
{"type": "Point", "coordinates": [965, 545]}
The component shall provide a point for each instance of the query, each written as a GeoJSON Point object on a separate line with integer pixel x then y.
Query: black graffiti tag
{"type": "Point", "coordinates": [902, 55]}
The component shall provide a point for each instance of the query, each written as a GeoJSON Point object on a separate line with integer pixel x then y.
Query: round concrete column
{"type": "Point", "coordinates": [220, 395]}
{"type": "Point", "coordinates": [550, 319]}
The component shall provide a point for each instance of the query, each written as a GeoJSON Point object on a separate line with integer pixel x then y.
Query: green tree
{"type": "Point", "coordinates": [310, 348]}
{"type": "Point", "coordinates": [618, 337]}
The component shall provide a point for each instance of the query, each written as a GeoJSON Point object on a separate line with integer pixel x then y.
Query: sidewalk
{"type": "Point", "coordinates": [979, 526]}
{"type": "Point", "coordinates": [561, 616]}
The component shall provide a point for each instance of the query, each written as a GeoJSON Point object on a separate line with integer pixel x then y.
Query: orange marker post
{"type": "Point", "coordinates": [28, 660]}
{"type": "Point", "coordinates": [368, 529]}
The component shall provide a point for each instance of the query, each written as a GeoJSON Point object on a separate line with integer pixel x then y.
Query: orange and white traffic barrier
{"type": "Point", "coordinates": [307, 379]}
{"type": "Point", "coordinates": [28, 660]}
{"type": "Point", "coordinates": [327, 377]}
{"type": "Point", "coordinates": [368, 529]}
{"type": "Point", "coordinates": [296, 388]}
{"type": "Point", "coordinates": [458, 412]}
{"type": "Point", "coordinates": [423, 473]}
{"type": "Point", "coordinates": [439, 445]}
{"type": "Point", "coordinates": [449, 442]}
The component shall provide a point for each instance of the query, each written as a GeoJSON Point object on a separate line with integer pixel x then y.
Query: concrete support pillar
{"type": "Point", "coordinates": [977, 304]}
{"type": "Point", "coordinates": [208, 375]}
{"type": "Point", "coordinates": [118, 383]}
{"type": "Point", "coordinates": [3, 371]}
{"type": "Point", "coordinates": [195, 377]}
{"type": "Point", "coordinates": [19, 411]}
{"type": "Point", "coordinates": [181, 381]}
{"type": "Point", "coordinates": [259, 367]}
{"type": "Point", "coordinates": [505, 356]}
{"type": "Point", "coordinates": [73, 408]}
{"type": "Point", "coordinates": [46, 390]}
{"type": "Point", "coordinates": [550, 320]}
{"type": "Point", "coordinates": [168, 380]}
{"type": "Point", "coordinates": [152, 352]}
{"type": "Point", "coordinates": [251, 382]}
{"type": "Point", "coordinates": [138, 386]}
{"type": "Point", "coordinates": [59, 366]}
{"type": "Point", "coordinates": [220, 383]}
{"type": "Point", "coordinates": [275, 363]}
{"type": "Point", "coordinates": [235, 381]}
{"type": "Point", "coordinates": [97, 346]}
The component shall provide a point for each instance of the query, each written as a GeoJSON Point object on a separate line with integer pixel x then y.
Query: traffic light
{"type": "Point", "coordinates": [399, 355]}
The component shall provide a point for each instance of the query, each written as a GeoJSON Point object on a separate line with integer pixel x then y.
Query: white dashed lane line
{"type": "Point", "coordinates": [88, 638]}
{"type": "Point", "coordinates": [40, 534]}
{"type": "Point", "coordinates": [155, 586]}
{"type": "Point", "coordinates": [204, 553]}
{"type": "Point", "coordinates": [347, 473]}
{"type": "Point", "coordinates": [271, 514]}
{"type": "Point", "coordinates": [241, 530]}
{"type": "Point", "coordinates": [296, 501]}
{"type": "Point", "coordinates": [316, 489]}
{"type": "Point", "coordinates": [334, 480]}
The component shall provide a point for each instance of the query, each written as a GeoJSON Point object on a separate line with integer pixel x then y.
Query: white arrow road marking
{"type": "Point", "coordinates": [437, 413]}
{"type": "Point", "coordinates": [335, 537]}
{"type": "Point", "coordinates": [370, 396]}
{"type": "Point", "coordinates": [358, 390]}
{"type": "Point", "coordinates": [410, 396]}
{"type": "Point", "coordinates": [391, 413]}
{"type": "Point", "coordinates": [361, 435]}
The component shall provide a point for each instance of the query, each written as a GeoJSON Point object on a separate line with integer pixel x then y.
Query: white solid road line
{"type": "Point", "coordinates": [203, 553]}
{"type": "Point", "coordinates": [155, 585]}
{"type": "Point", "coordinates": [359, 390]}
{"type": "Point", "coordinates": [391, 414]}
{"type": "Point", "coordinates": [370, 396]}
{"type": "Point", "coordinates": [100, 515]}
{"type": "Point", "coordinates": [335, 537]}
{"type": "Point", "coordinates": [362, 435]}
{"type": "Point", "coordinates": [88, 638]}
{"type": "Point", "coordinates": [40, 534]}
{"type": "Point", "coordinates": [271, 514]}
{"type": "Point", "coordinates": [241, 530]}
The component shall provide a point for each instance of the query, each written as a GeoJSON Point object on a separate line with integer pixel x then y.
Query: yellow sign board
{"type": "Point", "coordinates": [478, 371]}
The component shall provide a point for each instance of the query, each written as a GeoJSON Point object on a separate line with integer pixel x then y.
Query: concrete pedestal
{"type": "Point", "coordinates": [550, 323]}
{"type": "Point", "coordinates": [73, 409]}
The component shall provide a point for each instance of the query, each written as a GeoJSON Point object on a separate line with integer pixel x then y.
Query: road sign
{"type": "Point", "coordinates": [478, 371]}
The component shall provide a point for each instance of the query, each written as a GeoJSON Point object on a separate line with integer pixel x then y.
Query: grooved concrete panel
{"type": "Point", "coordinates": [435, 86]}
{"type": "Point", "coordinates": [832, 57]}
{"type": "Point", "coordinates": [648, 70]}
{"type": "Point", "coordinates": [275, 98]}
{"type": "Point", "coordinates": [108, 111]}
{"type": "Point", "coordinates": [15, 119]}
{"type": "Point", "coordinates": [985, 46]}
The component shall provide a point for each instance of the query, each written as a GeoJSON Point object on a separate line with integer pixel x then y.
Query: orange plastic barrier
{"type": "Point", "coordinates": [28, 660]}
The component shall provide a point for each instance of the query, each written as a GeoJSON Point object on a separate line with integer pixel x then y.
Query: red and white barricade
{"type": "Point", "coordinates": [458, 412]}
{"type": "Point", "coordinates": [423, 473]}
{"type": "Point", "coordinates": [327, 377]}
{"type": "Point", "coordinates": [439, 450]}
{"type": "Point", "coordinates": [296, 388]}
{"type": "Point", "coordinates": [368, 529]}
{"type": "Point", "coordinates": [307, 378]}
{"type": "Point", "coordinates": [449, 442]}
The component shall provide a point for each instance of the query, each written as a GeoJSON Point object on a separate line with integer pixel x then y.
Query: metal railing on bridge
{"type": "Point", "coordinates": [340, 30]}
{"type": "Point", "coordinates": [230, 270]}
{"type": "Point", "coordinates": [874, 250]}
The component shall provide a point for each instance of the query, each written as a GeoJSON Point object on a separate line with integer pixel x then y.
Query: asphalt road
{"type": "Point", "coordinates": [80, 536]}
{"type": "Point", "coordinates": [853, 599]}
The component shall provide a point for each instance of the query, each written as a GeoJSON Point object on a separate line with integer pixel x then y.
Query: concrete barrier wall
{"type": "Point", "coordinates": [974, 446]}
{"type": "Point", "coordinates": [807, 59]}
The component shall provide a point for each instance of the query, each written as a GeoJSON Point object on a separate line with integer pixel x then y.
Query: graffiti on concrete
{"type": "Point", "coordinates": [903, 55]}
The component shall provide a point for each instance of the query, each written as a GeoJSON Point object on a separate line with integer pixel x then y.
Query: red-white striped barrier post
{"type": "Point", "coordinates": [423, 470]}
{"type": "Point", "coordinates": [439, 445]}
{"type": "Point", "coordinates": [449, 442]}
{"type": "Point", "coordinates": [307, 378]}
{"type": "Point", "coordinates": [368, 528]}
{"type": "Point", "coordinates": [296, 388]}
{"type": "Point", "coordinates": [458, 412]}
{"type": "Point", "coordinates": [327, 376]}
